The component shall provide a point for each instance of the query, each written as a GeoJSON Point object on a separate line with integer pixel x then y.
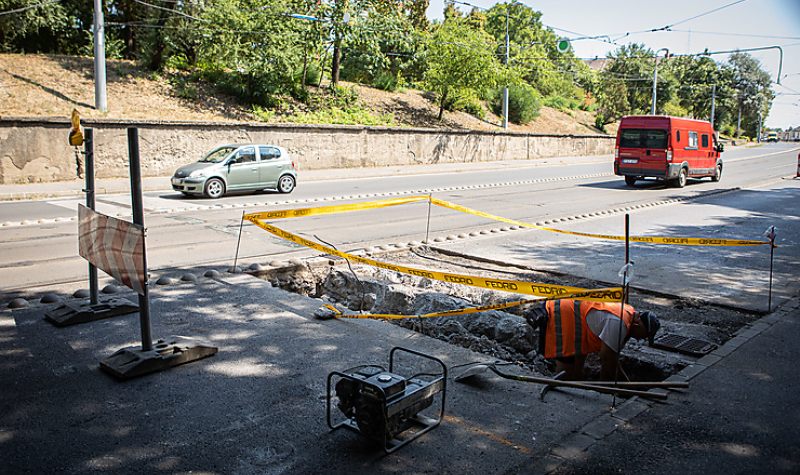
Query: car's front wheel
{"type": "Point", "coordinates": [215, 188]}
{"type": "Point", "coordinates": [286, 184]}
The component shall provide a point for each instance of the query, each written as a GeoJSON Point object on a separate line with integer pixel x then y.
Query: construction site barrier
{"type": "Point", "coordinates": [610, 294]}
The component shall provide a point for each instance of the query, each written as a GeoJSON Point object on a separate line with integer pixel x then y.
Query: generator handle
{"type": "Point", "coordinates": [417, 353]}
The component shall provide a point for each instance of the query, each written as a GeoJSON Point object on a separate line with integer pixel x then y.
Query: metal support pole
{"type": "Point", "coordinates": [505, 89]}
{"type": "Point", "coordinates": [771, 258]}
{"type": "Point", "coordinates": [99, 58]}
{"type": "Point", "coordinates": [138, 218]}
{"type": "Point", "coordinates": [428, 226]}
{"type": "Point", "coordinates": [88, 145]}
{"type": "Point", "coordinates": [759, 121]}
{"type": "Point", "coordinates": [238, 241]}
{"type": "Point", "coordinates": [713, 98]}
{"type": "Point", "coordinates": [627, 242]}
{"type": "Point", "coordinates": [655, 79]}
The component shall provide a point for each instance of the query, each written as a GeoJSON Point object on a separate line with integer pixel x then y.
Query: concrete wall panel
{"type": "Point", "coordinates": [36, 150]}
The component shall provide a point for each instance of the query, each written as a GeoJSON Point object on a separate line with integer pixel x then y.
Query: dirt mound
{"type": "Point", "coordinates": [51, 86]}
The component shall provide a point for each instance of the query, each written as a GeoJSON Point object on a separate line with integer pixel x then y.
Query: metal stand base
{"type": "Point", "coordinates": [132, 361]}
{"type": "Point", "coordinates": [81, 312]}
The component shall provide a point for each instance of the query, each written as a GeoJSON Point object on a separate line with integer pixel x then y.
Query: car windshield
{"type": "Point", "coordinates": [643, 138]}
{"type": "Point", "coordinates": [217, 155]}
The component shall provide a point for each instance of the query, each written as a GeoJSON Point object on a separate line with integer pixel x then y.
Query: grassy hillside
{"type": "Point", "coordinates": [51, 86]}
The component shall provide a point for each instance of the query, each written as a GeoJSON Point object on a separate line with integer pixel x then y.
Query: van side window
{"type": "Point", "coordinates": [678, 136]}
{"type": "Point", "coordinates": [692, 140]}
{"type": "Point", "coordinates": [704, 139]}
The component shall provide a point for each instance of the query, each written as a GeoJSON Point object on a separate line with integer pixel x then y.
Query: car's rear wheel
{"type": "Point", "coordinates": [630, 180]}
{"type": "Point", "coordinates": [215, 188]}
{"type": "Point", "coordinates": [286, 184]}
{"type": "Point", "coordinates": [683, 175]}
{"type": "Point", "coordinates": [718, 175]}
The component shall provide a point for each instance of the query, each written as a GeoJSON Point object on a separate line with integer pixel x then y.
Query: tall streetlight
{"type": "Point", "coordinates": [507, 58]}
{"type": "Point", "coordinates": [655, 78]}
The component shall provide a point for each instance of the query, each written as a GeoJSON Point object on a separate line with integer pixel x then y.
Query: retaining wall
{"type": "Point", "coordinates": [36, 150]}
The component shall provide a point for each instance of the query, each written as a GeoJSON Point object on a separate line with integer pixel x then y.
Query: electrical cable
{"type": "Point", "coordinates": [29, 7]}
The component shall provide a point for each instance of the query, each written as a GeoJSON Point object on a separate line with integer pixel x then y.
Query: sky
{"type": "Point", "coordinates": [746, 24]}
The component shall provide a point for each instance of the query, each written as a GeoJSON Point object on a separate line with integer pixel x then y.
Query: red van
{"type": "Point", "coordinates": [666, 148]}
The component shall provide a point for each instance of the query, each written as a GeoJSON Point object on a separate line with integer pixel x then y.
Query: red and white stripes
{"type": "Point", "coordinates": [114, 246]}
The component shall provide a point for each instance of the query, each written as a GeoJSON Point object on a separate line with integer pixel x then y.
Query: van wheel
{"type": "Point", "coordinates": [215, 188]}
{"type": "Point", "coordinates": [680, 182]}
{"type": "Point", "coordinates": [718, 175]}
{"type": "Point", "coordinates": [286, 184]}
{"type": "Point", "coordinates": [630, 180]}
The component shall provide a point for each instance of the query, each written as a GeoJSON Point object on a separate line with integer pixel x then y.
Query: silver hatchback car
{"type": "Point", "coordinates": [246, 167]}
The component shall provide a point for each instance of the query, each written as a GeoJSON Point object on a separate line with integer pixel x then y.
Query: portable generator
{"type": "Point", "coordinates": [383, 406]}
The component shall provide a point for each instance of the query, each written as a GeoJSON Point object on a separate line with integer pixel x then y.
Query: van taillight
{"type": "Point", "coordinates": [616, 153]}
{"type": "Point", "coordinates": [669, 155]}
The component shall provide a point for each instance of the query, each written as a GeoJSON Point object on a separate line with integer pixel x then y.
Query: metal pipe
{"type": "Point", "coordinates": [88, 149]}
{"type": "Point", "coordinates": [99, 58]}
{"type": "Point", "coordinates": [138, 218]}
{"type": "Point", "coordinates": [655, 79]}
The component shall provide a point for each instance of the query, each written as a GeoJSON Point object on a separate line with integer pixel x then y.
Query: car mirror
{"type": "Point", "coordinates": [720, 148]}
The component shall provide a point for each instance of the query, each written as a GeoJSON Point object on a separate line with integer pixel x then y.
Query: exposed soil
{"type": "Point", "coordinates": [51, 86]}
{"type": "Point", "coordinates": [502, 335]}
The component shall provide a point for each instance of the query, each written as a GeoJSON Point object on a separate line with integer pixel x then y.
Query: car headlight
{"type": "Point", "coordinates": [197, 174]}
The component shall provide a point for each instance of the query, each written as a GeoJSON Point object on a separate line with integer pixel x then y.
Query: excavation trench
{"type": "Point", "coordinates": [501, 335]}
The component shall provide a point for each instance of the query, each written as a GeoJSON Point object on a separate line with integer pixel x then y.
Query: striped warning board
{"type": "Point", "coordinates": [114, 246]}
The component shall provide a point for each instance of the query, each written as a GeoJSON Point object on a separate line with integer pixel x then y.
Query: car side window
{"type": "Point", "coordinates": [704, 140]}
{"type": "Point", "coordinates": [268, 153]}
{"type": "Point", "coordinates": [692, 140]}
{"type": "Point", "coordinates": [678, 136]}
{"type": "Point", "coordinates": [246, 155]}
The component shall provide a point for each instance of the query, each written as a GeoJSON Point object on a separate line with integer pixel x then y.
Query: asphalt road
{"type": "Point", "coordinates": [184, 233]}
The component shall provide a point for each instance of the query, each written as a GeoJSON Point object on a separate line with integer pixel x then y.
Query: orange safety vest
{"type": "Point", "coordinates": [568, 334]}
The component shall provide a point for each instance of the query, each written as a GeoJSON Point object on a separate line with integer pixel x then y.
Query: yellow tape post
{"type": "Point", "coordinates": [681, 241]}
{"type": "Point", "coordinates": [611, 294]}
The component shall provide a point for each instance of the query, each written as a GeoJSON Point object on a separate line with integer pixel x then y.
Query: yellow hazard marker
{"type": "Point", "coordinates": [75, 134]}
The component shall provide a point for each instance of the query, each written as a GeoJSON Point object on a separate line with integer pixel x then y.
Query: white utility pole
{"type": "Point", "coordinates": [99, 58]}
{"type": "Point", "coordinates": [505, 88]}
{"type": "Point", "coordinates": [655, 78]}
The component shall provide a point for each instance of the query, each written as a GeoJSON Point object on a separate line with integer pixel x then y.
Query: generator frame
{"type": "Point", "coordinates": [394, 405]}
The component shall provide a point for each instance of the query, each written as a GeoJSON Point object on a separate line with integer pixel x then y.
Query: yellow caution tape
{"type": "Point", "coordinates": [333, 209]}
{"type": "Point", "coordinates": [611, 294]}
{"type": "Point", "coordinates": [681, 241]}
{"type": "Point", "coordinates": [452, 313]}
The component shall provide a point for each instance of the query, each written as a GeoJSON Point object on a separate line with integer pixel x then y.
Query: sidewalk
{"type": "Point", "coordinates": [65, 189]}
{"type": "Point", "coordinates": [740, 415]}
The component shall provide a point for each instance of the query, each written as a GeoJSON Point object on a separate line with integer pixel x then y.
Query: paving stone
{"type": "Point", "coordinates": [709, 360]}
{"type": "Point", "coordinates": [691, 371]}
{"type": "Point", "coordinates": [546, 464]}
{"type": "Point", "coordinates": [572, 446]}
{"type": "Point", "coordinates": [601, 427]}
{"type": "Point", "coordinates": [630, 409]}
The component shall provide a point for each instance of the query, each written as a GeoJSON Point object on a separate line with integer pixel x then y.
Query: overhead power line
{"type": "Point", "coordinates": [29, 7]}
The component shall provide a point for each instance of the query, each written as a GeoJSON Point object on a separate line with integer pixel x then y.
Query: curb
{"type": "Point", "coordinates": [576, 445]}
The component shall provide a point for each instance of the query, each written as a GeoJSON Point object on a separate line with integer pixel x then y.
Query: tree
{"type": "Point", "coordinates": [752, 85]}
{"type": "Point", "coordinates": [461, 60]}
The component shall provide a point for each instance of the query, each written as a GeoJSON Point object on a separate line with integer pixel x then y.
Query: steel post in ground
{"type": "Point", "coordinates": [88, 145]}
{"type": "Point", "coordinates": [138, 218]}
{"type": "Point", "coordinates": [627, 242]}
{"type": "Point", "coordinates": [771, 259]}
{"type": "Point", "coordinates": [428, 225]}
{"type": "Point", "coordinates": [238, 241]}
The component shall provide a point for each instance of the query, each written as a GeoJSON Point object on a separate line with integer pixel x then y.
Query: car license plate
{"type": "Point", "coordinates": [176, 181]}
{"type": "Point", "coordinates": [630, 160]}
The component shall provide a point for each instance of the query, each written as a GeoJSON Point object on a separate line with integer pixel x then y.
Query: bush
{"type": "Point", "coordinates": [728, 129]}
{"type": "Point", "coordinates": [387, 81]}
{"type": "Point", "coordinates": [562, 103]}
{"type": "Point", "coordinates": [524, 103]}
{"type": "Point", "coordinates": [470, 103]}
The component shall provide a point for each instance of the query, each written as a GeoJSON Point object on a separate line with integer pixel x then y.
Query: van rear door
{"type": "Point", "coordinates": [643, 151]}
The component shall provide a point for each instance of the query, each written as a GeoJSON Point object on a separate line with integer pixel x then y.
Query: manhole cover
{"type": "Point", "coordinates": [684, 344]}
